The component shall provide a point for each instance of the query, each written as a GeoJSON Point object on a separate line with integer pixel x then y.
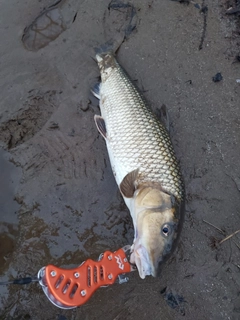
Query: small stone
{"type": "Point", "coordinates": [218, 77]}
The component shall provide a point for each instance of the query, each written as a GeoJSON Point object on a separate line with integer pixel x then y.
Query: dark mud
{"type": "Point", "coordinates": [32, 116]}
{"type": "Point", "coordinates": [67, 204]}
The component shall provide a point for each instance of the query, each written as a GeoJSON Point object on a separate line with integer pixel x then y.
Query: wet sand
{"type": "Point", "coordinates": [59, 201]}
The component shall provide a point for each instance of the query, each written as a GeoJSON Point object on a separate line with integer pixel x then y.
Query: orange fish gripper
{"type": "Point", "coordinates": [70, 288]}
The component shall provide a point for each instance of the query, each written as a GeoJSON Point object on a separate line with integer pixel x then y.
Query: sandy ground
{"type": "Point", "coordinates": [59, 201]}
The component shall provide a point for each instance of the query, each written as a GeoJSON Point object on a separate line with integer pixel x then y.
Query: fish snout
{"type": "Point", "coordinates": [146, 262]}
{"type": "Point", "coordinates": [139, 257]}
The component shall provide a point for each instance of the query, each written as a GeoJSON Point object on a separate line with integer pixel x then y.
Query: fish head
{"type": "Point", "coordinates": [158, 227]}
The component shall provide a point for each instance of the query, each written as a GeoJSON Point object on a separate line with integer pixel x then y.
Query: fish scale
{"type": "Point", "coordinates": [136, 139]}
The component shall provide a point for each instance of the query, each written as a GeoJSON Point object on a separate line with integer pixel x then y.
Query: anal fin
{"type": "Point", "coordinates": [101, 126]}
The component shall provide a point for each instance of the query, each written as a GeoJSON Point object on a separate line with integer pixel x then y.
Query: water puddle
{"type": "Point", "coordinates": [9, 180]}
{"type": "Point", "coordinates": [8, 236]}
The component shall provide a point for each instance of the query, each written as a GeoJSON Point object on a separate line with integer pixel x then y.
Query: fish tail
{"type": "Point", "coordinates": [111, 45]}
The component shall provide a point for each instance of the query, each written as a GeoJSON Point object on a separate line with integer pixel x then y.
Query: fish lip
{"type": "Point", "coordinates": [140, 257]}
{"type": "Point", "coordinates": [151, 269]}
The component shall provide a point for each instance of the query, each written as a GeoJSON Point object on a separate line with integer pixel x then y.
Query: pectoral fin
{"type": "Point", "coordinates": [128, 184]}
{"type": "Point", "coordinates": [100, 123]}
{"type": "Point", "coordinates": [96, 90]}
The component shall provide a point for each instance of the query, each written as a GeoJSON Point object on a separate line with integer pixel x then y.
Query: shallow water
{"type": "Point", "coordinates": [9, 179]}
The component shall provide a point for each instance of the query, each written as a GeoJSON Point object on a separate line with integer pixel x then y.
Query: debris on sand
{"type": "Point", "coordinates": [218, 77]}
{"type": "Point", "coordinates": [215, 242]}
{"type": "Point", "coordinates": [174, 300]}
{"type": "Point", "coordinates": [233, 10]}
{"type": "Point", "coordinates": [228, 237]}
{"type": "Point", "coordinates": [212, 225]}
{"type": "Point", "coordinates": [53, 125]}
{"type": "Point", "coordinates": [196, 5]}
{"type": "Point", "coordinates": [182, 1]}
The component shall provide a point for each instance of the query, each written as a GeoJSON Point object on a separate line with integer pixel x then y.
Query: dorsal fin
{"type": "Point", "coordinates": [128, 184]}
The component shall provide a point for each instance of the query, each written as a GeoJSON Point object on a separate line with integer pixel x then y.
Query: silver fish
{"type": "Point", "coordinates": [143, 163]}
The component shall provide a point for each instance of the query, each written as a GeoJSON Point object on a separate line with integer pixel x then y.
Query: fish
{"type": "Point", "coordinates": [143, 163]}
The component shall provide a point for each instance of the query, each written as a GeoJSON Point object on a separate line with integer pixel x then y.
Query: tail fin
{"type": "Point", "coordinates": [120, 20]}
{"type": "Point", "coordinates": [111, 45]}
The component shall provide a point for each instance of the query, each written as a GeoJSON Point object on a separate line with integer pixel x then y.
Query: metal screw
{"type": "Point", "coordinates": [125, 259]}
{"type": "Point", "coordinates": [109, 257]}
{"type": "Point", "coordinates": [53, 273]}
{"type": "Point", "coordinates": [110, 276]}
{"type": "Point", "coordinates": [83, 293]}
{"type": "Point", "coordinates": [76, 275]}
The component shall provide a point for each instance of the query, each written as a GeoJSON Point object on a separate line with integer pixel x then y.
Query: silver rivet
{"type": "Point", "coordinates": [110, 276]}
{"type": "Point", "coordinates": [125, 259]}
{"type": "Point", "coordinates": [76, 275]}
{"type": "Point", "coordinates": [53, 273]}
{"type": "Point", "coordinates": [109, 257]}
{"type": "Point", "coordinates": [83, 293]}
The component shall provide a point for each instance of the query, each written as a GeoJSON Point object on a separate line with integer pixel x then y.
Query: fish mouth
{"type": "Point", "coordinates": [140, 257]}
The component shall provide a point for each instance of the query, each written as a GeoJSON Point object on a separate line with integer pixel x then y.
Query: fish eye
{"type": "Point", "coordinates": [166, 229]}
